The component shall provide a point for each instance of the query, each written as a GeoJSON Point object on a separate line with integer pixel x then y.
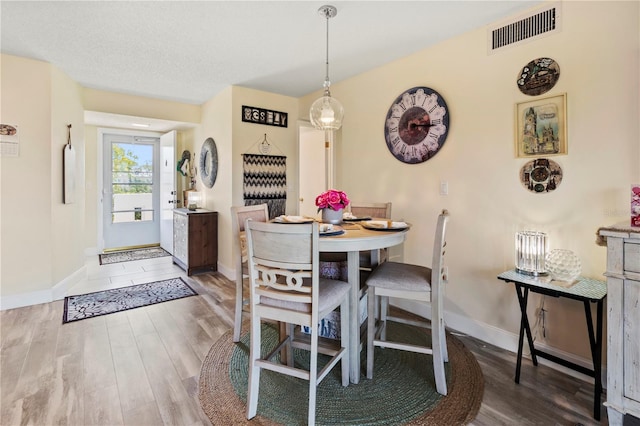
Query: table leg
{"type": "Point", "coordinates": [353, 264]}
{"type": "Point", "coordinates": [596, 353]}
{"type": "Point", "coordinates": [523, 298]}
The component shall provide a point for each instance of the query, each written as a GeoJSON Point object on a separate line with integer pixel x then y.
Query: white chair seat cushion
{"type": "Point", "coordinates": [401, 276]}
{"type": "Point", "coordinates": [331, 293]}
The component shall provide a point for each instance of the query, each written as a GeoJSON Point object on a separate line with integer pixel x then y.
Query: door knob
{"type": "Point", "coordinates": [302, 200]}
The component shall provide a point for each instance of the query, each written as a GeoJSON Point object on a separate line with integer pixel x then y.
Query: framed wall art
{"type": "Point", "coordinates": [541, 127]}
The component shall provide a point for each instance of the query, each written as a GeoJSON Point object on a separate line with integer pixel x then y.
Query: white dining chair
{"type": "Point", "coordinates": [416, 283]}
{"type": "Point", "coordinates": [286, 287]}
{"type": "Point", "coordinates": [239, 214]}
{"type": "Point", "coordinates": [367, 259]}
{"type": "Point", "coordinates": [373, 210]}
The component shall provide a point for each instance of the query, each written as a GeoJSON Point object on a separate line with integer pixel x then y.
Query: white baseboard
{"type": "Point", "coordinates": [502, 339]}
{"type": "Point", "coordinates": [229, 273]}
{"type": "Point", "coordinates": [57, 292]}
{"type": "Point", "coordinates": [25, 299]}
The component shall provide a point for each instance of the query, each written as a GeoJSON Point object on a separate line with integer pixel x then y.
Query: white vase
{"type": "Point", "coordinates": [332, 216]}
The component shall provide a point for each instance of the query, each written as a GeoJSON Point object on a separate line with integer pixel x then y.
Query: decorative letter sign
{"type": "Point", "coordinates": [264, 116]}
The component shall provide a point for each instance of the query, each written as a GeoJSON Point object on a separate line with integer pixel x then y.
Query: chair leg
{"type": "Point", "coordinates": [438, 354]}
{"type": "Point", "coordinates": [313, 375]}
{"type": "Point", "coordinates": [344, 341]}
{"type": "Point", "coordinates": [371, 329]}
{"type": "Point", "coordinates": [289, 353]}
{"type": "Point", "coordinates": [443, 339]}
{"type": "Point", "coordinates": [384, 309]}
{"type": "Point", "coordinates": [237, 322]}
{"type": "Point", "coordinates": [254, 370]}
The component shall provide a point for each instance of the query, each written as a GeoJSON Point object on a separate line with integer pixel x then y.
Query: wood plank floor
{"type": "Point", "coordinates": [141, 367]}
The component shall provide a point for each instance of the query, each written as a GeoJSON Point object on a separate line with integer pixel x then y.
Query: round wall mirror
{"type": "Point", "coordinates": [208, 162]}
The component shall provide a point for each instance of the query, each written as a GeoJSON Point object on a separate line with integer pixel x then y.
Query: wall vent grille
{"type": "Point", "coordinates": [535, 25]}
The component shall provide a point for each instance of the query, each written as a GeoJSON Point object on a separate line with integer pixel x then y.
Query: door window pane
{"type": "Point", "coordinates": [132, 182]}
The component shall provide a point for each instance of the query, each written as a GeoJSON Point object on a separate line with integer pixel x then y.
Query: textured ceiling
{"type": "Point", "coordinates": [189, 51]}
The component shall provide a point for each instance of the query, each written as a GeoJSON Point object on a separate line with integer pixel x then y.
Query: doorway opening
{"type": "Point", "coordinates": [137, 171]}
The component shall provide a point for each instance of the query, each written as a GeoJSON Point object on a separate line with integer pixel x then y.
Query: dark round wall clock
{"type": "Point", "coordinates": [417, 125]}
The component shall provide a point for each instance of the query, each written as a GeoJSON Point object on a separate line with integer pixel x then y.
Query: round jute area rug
{"type": "Point", "coordinates": [401, 392]}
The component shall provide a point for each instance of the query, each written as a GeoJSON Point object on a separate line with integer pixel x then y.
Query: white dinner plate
{"type": "Point", "coordinates": [293, 219]}
{"type": "Point", "coordinates": [356, 218]}
{"type": "Point", "coordinates": [384, 225]}
{"type": "Point", "coordinates": [335, 230]}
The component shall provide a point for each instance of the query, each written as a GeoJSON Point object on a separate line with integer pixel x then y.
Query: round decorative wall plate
{"type": "Point", "coordinates": [416, 125]}
{"type": "Point", "coordinates": [538, 76]}
{"type": "Point", "coordinates": [7, 130]}
{"type": "Point", "coordinates": [541, 175]}
{"type": "Point", "coordinates": [209, 163]}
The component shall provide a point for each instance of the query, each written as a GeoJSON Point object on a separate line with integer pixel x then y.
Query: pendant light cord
{"type": "Point", "coordinates": [326, 79]}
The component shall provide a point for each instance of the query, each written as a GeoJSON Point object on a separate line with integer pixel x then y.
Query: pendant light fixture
{"type": "Point", "coordinates": [326, 113]}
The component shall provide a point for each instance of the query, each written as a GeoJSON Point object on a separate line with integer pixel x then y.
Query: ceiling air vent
{"type": "Point", "coordinates": [525, 28]}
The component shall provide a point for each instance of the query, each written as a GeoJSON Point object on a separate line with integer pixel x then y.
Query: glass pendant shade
{"type": "Point", "coordinates": [326, 113]}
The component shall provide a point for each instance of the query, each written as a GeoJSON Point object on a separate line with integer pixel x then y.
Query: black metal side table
{"type": "Point", "coordinates": [586, 290]}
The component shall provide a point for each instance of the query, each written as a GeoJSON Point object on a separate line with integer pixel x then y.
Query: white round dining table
{"type": "Point", "coordinates": [356, 238]}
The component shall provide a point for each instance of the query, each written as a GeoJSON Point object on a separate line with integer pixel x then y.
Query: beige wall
{"type": "Point", "coordinates": [222, 121]}
{"type": "Point", "coordinates": [68, 219]}
{"type": "Point", "coordinates": [41, 241]}
{"type": "Point", "coordinates": [599, 73]}
{"type": "Point", "coordinates": [248, 136]}
{"type": "Point", "coordinates": [139, 106]}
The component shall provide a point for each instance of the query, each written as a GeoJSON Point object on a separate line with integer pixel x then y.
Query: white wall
{"type": "Point", "coordinates": [597, 51]}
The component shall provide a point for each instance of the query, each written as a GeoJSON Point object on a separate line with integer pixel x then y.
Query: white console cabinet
{"type": "Point", "coordinates": [623, 321]}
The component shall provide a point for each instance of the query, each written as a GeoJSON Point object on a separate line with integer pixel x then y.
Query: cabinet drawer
{"type": "Point", "coordinates": [632, 257]}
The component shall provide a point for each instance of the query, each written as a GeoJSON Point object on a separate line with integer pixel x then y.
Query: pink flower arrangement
{"type": "Point", "coordinates": [332, 199]}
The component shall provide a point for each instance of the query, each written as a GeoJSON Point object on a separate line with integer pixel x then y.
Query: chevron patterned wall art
{"type": "Point", "coordinates": [265, 181]}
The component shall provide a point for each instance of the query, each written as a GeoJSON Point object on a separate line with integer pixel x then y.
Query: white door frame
{"type": "Point", "coordinates": [313, 168]}
{"type": "Point", "coordinates": [100, 173]}
{"type": "Point", "coordinates": [168, 178]}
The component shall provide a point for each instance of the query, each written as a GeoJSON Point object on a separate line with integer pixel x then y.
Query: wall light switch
{"type": "Point", "coordinates": [444, 187]}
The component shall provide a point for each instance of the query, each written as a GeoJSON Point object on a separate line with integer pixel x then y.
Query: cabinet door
{"type": "Point", "coordinates": [632, 339]}
{"type": "Point", "coordinates": [203, 239]}
{"type": "Point", "coordinates": [180, 237]}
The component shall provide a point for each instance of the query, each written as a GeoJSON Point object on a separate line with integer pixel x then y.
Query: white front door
{"type": "Point", "coordinates": [312, 167]}
{"type": "Point", "coordinates": [131, 188]}
{"type": "Point", "coordinates": [167, 188]}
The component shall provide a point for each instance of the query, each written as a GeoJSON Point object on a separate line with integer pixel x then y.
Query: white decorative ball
{"type": "Point", "coordinates": [563, 265]}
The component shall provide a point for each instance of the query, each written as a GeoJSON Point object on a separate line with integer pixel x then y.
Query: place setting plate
{"type": "Point", "coordinates": [293, 219]}
{"type": "Point", "coordinates": [355, 218]}
{"type": "Point", "coordinates": [328, 230]}
{"type": "Point", "coordinates": [384, 225]}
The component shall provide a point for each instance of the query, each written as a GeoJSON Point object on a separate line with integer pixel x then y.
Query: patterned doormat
{"type": "Point", "coordinates": [129, 255]}
{"type": "Point", "coordinates": [105, 302]}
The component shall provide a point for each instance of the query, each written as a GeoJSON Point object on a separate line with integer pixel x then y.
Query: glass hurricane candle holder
{"type": "Point", "coordinates": [531, 248]}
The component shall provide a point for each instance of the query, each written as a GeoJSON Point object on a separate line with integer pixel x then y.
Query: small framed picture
{"type": "Point", "coordinates": [541, 127]}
